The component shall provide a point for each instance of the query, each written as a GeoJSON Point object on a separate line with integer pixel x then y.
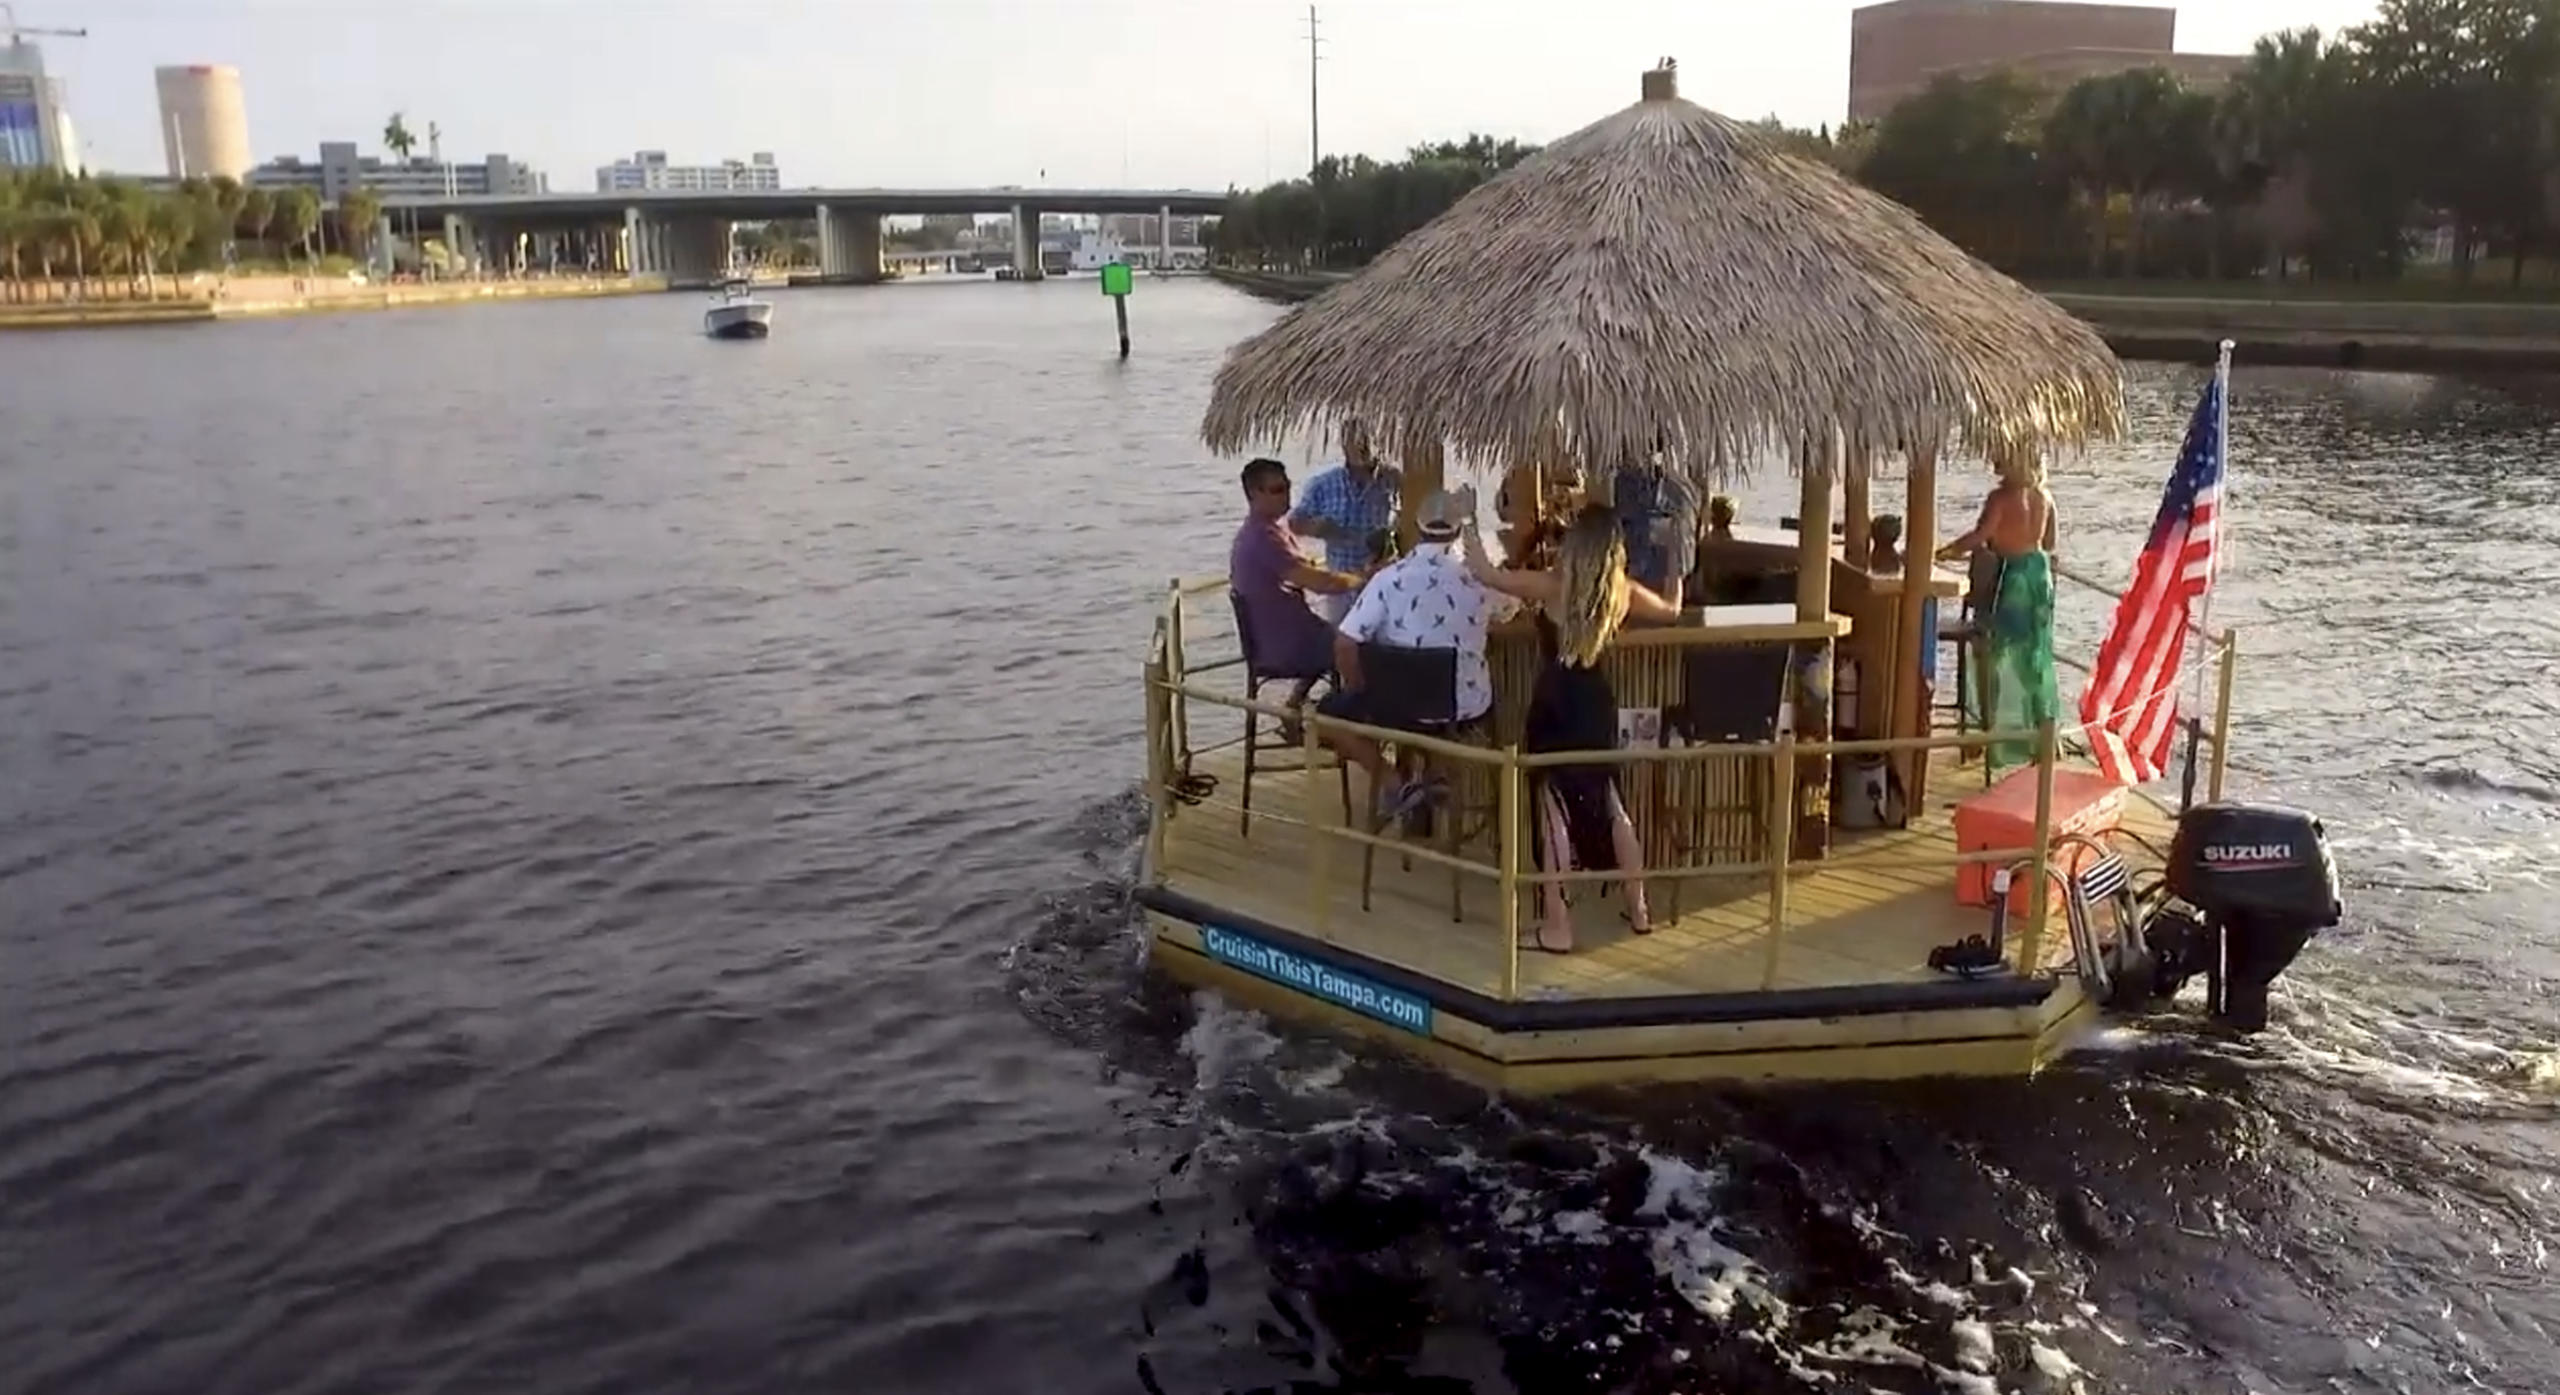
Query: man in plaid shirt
{"type": "Point", "coordinates": [1348, 507]}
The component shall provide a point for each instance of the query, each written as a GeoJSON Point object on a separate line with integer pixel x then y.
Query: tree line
{"type": "Point", "coordinates": [2335, 156]}
{"type": "Point", "coordinates": [105, 231]}
{"type": "Point", "coordinates": [1353, 209]}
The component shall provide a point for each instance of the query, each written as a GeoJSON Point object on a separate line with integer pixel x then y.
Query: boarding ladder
{"type": "Point", "coordinates": [2105, 884]}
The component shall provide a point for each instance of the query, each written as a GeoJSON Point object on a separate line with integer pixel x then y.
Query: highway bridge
{"type": "Point", "coordinates": [684, 234]}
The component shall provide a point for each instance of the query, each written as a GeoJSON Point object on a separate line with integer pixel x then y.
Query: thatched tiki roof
{"type": "Point", "coordinates": [1669, 272]}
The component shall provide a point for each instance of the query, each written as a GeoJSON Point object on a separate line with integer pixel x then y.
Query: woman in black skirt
{"type": "Point", "coordinates": [1581, 602]}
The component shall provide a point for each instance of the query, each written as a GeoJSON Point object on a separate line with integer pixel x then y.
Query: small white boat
{"type": "Point", "coordinates": [738, 313]}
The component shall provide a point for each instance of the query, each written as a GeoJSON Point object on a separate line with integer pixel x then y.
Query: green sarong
{"type": "Point", "coordinates": [2019, 691]}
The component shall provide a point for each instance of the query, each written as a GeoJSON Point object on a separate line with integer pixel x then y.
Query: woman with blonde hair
{"type": "Point", "coordinates": [2019, 687]}
{"type": "Point", "coordinates": [1581, 601]}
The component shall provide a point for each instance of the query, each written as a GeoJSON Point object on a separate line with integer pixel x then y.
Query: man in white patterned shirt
{"type": "Point", "coordinates": [1425, 599]}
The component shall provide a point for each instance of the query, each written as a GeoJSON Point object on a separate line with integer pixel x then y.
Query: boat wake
{"type": "Point", "coordinates": [1336, 1219]}
{"type": "Point", "coordinates": [1421, 1235]}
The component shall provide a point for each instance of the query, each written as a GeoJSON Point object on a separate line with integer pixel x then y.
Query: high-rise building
{"type": "Point", "coordinates": [204, 127]}
{"type": "Point", "coordinates": [1140, 230]}
{"type": "Point", "coordinates": [340, 168]}
{"type": "Point", "coordinates": [648, 171]}
{"type": "Point", "coordinates": [1898, 47]}
{"type": "Point", "coordinates": [35, 123]}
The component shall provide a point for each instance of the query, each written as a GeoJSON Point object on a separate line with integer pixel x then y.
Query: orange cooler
{"type": "Point", "coordinates": [2004, 816]}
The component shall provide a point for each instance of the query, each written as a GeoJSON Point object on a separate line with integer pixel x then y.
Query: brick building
{"type": "Point", "coordinates": [1896, 47]}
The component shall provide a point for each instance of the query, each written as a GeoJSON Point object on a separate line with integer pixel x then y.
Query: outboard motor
{"type": "Point", "coordinates": [2249, 885]}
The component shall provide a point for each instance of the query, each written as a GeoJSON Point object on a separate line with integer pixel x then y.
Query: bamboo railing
{"type": "Point", "coordinates": [1169, 750]}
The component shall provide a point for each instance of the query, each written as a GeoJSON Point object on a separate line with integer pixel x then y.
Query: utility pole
{"type": "Point", "coordinates": [1315, 142]}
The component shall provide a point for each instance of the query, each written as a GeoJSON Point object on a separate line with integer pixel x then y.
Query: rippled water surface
{"type": "Point", "coordinates": [541, 852]}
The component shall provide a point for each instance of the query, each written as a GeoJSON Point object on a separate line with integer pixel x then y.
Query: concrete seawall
{"type": "Point", "coordinates": [246, 297]}
{"type": "Point", "coordinates": [2414, 336]}
{"type": "Point", "coordinates": [1281, 285]}
{"type": "Point", "coordinates": [2418, 336]}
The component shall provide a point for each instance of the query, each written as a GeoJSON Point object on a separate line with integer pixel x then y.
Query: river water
{"type": "Point", "coordinates": [541, 852]}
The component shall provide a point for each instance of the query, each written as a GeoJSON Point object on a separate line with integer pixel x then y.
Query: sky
{"type": "Point", "coordinates": [1067, 93]}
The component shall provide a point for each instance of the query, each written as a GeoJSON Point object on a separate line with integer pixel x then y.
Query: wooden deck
{"type": "Point", "coordinates": [1274, 918]}
{"type": "Point", "coordinates": [1866, 916]}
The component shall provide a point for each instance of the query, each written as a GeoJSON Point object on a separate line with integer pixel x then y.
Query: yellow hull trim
{"type": "Point", "coordinates": [1954, 1041]}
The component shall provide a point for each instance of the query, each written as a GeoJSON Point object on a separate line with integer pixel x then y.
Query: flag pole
{"type": "Point", "coordinates": [2204, 605]}
{"type": "Point", "coordinates": [2222, 502]}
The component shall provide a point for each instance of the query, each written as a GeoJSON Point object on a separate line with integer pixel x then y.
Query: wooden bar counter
{"type": "Point", "coordinates": [1714, 809]}
{"type": "Point", "coordinates": [1704, 810]}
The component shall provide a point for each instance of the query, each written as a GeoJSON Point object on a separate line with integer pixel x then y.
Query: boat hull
{"type": "Point", "coordinates": [745, 320]}
{"type": "Point", "coordinates": [2010, 1028]}
{"type": "Point", "coordinates": [1261, 910]}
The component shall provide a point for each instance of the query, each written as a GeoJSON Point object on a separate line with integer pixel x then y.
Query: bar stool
{"type": "Point", "coordinates": [1729, 694]}
{"type": "Point", "coordinates": [1966, 632]}
{"type": "Point", "coordinates": [1256, 675]}
{"type": "Point", "coordinates": [1416, 690]}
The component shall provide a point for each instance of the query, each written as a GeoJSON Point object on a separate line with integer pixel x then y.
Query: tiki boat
{"type": "Point", "coordinates": [1841, 892]}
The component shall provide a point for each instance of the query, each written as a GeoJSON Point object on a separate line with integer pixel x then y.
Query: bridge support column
{"type": "Point", "coordinates": [695, 251]}
{"type": "Point", "coordinates": [461, 245]}
{"type": "Point", "coordinates": [848, 246]}
{"type": "Point", "coordinates": [1164, 237]}
{"type": "Point", "coordinates": [636, 252]}
{"type": "Point", "coordinates": [1026, 243]}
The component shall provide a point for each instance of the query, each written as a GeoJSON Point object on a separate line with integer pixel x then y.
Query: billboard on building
{"type": "Point", "coordinates": [21, 135]}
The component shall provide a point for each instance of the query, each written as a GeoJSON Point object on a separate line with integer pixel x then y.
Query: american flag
{"type": "Point", "coordinates": [2131, 705]}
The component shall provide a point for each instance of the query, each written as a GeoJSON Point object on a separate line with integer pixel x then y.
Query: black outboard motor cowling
{"type": "Point", "coordinates": [2261, 883]}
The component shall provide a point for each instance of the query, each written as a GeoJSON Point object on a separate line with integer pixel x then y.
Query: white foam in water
{"type": "Point", "coordinates": [1687, 1252]}
{"type": "Point", "coordinates": [2056, 1366]}
{"type": "Point", "coordinates": [2341, 1036]}
{"type": "Point", "coordinates": [1321, 1078]}
{"type": "Point", "coordinates": [1224, 1038]}
{"type": "Point", "coordinates": [1943, 1294]}
{"type": "Point", "coordinates": [1585, 1226]}
{"type": "Point", "coordinates": [2393, 856]}
{"type": "Point", "coordinates": [1974, 1351]}
{"type": "Point", "coordinates": [1687, 1239]}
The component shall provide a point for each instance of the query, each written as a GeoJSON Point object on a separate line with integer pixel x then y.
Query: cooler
{"type": "Point", "coordinates": [2004, 816]}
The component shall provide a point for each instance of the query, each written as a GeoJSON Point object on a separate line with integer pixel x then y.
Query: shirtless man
{"type": "Point", "coordinates": [2016, 519]}
{"type": "Point", "coordinates": [2017, 524]}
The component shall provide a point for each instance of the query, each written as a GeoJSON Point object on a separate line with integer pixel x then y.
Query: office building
{"type": "Point", "coordinates": [1139, 230]}
{"type": "Point", "coordinates": [647, 171]}
{"type": "Point", "coordinates": [1898, 47]}
{"type": "Point", "coordinates": [204, 127]}
{"type": "Point", "coordinates": [340, 168]}
{"type": "Point", "coordinates": [35, 122]}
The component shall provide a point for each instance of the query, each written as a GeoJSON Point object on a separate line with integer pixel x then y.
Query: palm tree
{"type": "Point", "coordinates": [173, 227]}
{"type": "Point", "coordinates": [124, 230]}
{"type": "Point", "coordinates": [395, 135]}
{"type": "Point", "coordinates": [77, 232]}
{"type": "Point", "coordinates": [2269, 113]}
{"type": "Point", "coordinates": [16, 235]}
{"type": "Point", "coordinates": [1963, 154]}
{"type": "Point", "coordinates": [2119, 134]}
{"type": "Point", "coordinates": [297, 216]}
{"type": "Point", "coordinates": [16, 227]}
{"type": "Point", "coordinates": [359, 210]}
{"type": "Point", "coordinates": [257, 214]}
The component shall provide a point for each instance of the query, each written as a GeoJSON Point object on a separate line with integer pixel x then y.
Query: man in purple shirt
{"type": "Point", "coordinates": [1271, 580]}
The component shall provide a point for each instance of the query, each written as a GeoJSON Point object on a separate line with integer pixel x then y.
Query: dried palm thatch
{"type": "Point", "coordinates": [1668, 275]}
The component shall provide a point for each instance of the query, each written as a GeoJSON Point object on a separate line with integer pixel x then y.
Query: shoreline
{"type": "Point", "coordinates": [268, 297]}
{"type": "Point", "coordinates": [2382, 335]}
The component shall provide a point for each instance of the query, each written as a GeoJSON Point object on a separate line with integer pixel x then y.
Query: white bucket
{"type": "Point", "coordinates": [1867, 797]}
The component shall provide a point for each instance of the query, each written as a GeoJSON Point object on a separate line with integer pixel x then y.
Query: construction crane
{"type": "Point", "coordinates": [17, 33]}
